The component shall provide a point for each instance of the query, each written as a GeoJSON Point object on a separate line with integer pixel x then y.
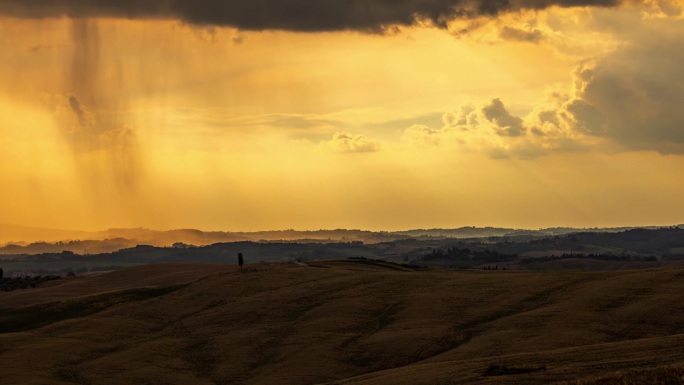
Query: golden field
{"type": "Point", "coordinates": [345, 322]}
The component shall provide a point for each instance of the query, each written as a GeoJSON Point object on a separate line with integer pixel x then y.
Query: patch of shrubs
{"type": "Point", "coordinates": [18, 283]}
{"type": "Point", "coordinates": [598, 256]}
{"type": "Point", "coordinates": [456, 254]}
{"type": "Point", "coordinates": [505, 370]}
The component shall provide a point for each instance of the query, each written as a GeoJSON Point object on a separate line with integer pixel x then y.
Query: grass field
{"type": "Point", "coordinates": [345, 322]}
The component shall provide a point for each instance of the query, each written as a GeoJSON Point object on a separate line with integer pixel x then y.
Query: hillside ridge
{"type": "Point", "coordinates": [350, 322]}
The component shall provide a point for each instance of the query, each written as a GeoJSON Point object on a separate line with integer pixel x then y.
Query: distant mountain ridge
{"type": "Point", "coordinates": [588, 251]}
{"type": "Point", "coordinates": [28, 240]}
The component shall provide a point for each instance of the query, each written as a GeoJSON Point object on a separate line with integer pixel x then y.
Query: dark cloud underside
{"type": "Point", "coordinates": [292, 15]}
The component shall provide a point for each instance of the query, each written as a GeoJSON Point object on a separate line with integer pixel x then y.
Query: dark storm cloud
{"type": "Point", "coordinates": [292, 15]}
{"type": "Point", "coordinates": [634, 95]}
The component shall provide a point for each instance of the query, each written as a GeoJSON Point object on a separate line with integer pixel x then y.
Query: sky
{"type": "Point", "coordinates": [306, 114]}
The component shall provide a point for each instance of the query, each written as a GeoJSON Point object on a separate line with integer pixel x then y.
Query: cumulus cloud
{"type": "Point", "coordinates": [505, 124]}
{"type": "Point", "coordinates": [634, 95]}
{"type": "Point", "coordinates": [422, 135]}
{"type": "Point", "coordinates": [490, 127]}
{"type": "Point", "coordinates": [626, 99]}
{"type": "Point", "coordinates": [294, 15]}
{"type": "Point", "coordinates": [630, 96]}
{"type": "Point", "coordinates": [586, 118]}
{"type": "Point", "coordinates": [343, 142]}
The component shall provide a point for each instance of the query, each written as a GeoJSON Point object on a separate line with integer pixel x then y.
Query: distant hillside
{"type": "Point", "coordinates": [28, 240]}
{"type": "Point", "coordinates": [487, 232]}
{"type": "Point", "coordinates": [653, 241]}
{"type": "Point", "coordinates": [34, 240]}
{"type": "Point", "coordinates": [202, 238]}
{"type": "Point", "coordinates": [631, 249]}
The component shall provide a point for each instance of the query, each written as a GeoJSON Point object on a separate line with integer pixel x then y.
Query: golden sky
{"type": "Point", "coordinates": [406, 115]}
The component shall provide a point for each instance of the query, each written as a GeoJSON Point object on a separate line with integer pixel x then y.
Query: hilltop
{"type": "Point", "coordinates": [345, 322]}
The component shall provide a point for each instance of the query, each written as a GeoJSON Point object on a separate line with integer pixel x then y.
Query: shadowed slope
{"type": "Point", "coordinates": [291, 324]}
{"type": "Point", "coordinates": [630, 362]}
{"type": "Point", "coordinates": [159, 275]}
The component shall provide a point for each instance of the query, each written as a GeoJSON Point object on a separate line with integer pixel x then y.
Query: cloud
{"type": "Point", "coordinates": [490, 117]}
{"type": "Point", "coordinates": [586, 117]}
{"type": "Point", "coordinates": [628, 101]}
{"type": "Point", "coordinates": [511, 33]}
{"type": "Point", "coordinates": [343, 142]}
{"type": "Point", "coordinates": [77, 109]}
{"type": "Point", "coordinates": [633, 96]}
{"type": "Point", "coordinates": [297, 121]}
{"type": "Point", "coordinates": [505, 123]}
{"type": "Point", "coordinates": [422, 135]}
{"type": "Point", "coordinates": [627, 98]}
{"type": "Point", "coordinates": [554, 126]}
{"type": "Point", "coordinates": [294, 15]}
{"type": "Point", "coordinates": [486, 126]}
{"type": "Point", "coordinates": [630, 97]}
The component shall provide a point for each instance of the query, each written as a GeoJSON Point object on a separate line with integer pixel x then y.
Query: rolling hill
{"type": "Point", "coordinates": [344, 322]}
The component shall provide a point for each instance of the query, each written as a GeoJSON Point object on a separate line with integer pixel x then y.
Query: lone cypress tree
{"type": "Point", "coordinates": [240, 260]}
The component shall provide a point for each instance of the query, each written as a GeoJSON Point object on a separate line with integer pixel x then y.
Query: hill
{"type": "Point", "coordinates": [630, 249]}
{"type": "Point", "coordinates": [21, 240]}
{"type": "Point", "coordinates": [30, 240]}
{"type": "Point", "coordinates": [344, 322]}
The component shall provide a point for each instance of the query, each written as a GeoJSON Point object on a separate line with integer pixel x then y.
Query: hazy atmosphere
{"type": "Point", "coordinates": [255, 115]}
